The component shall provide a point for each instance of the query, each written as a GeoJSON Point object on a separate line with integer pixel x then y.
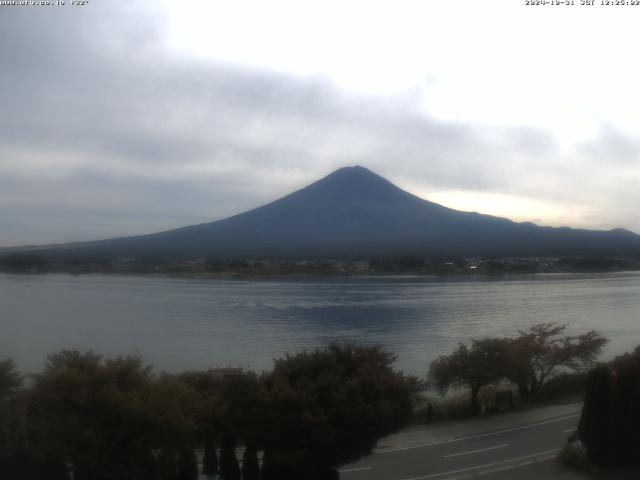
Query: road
{"type": "Point", "coordinates": [516, 445]}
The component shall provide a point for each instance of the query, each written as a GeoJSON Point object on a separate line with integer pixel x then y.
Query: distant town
{"type": "Point", "coordinates": [407, 265]}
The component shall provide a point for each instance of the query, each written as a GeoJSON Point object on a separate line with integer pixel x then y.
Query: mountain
{"type": "Point", "coordinates": [355, 212]}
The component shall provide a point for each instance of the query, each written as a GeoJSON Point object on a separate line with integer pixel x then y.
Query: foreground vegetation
{"type": "Point", "coordinates": [609, 427]}
{"type": "Point", "coordinates": [114, 418]}
{"type": "Point", "coordinates": [527, 361]}
{"type": "Point", "coordinates": [92, 418]}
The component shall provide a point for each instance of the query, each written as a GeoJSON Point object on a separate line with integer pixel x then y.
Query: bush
{"type": "Point", "coordinates": [564, 387]}
{"type": "Point", "coordinates": [456, 404]}
{"type": "Point", "coordinates": [574, 455]}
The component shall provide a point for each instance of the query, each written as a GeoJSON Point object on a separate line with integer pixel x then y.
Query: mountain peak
{"type": "Point", "coordinates": [354, 168]}
{"type": "Point", "coordinates": [354, 171]}
{"type": "Point", "coordinates": [354, 182]}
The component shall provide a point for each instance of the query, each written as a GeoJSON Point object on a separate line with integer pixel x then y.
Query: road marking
{"type": "Point", "coordinates": [569, 430]}
{"type": "Point", "coordinates": [354, 469]}
{"type": "Point", "coordinates": [545, 459]}
{"type": "Point", "coordinates": [476, 451]}
{"type": "Point", "coordinates": [472, 437]}
{"type": "Point", "coordinates": [480, 467]}
{"type": "Point", "coordinates": [501, 469]}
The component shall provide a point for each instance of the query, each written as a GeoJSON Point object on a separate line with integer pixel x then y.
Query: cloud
{"type": "Point", "coordinates": [105, 132]}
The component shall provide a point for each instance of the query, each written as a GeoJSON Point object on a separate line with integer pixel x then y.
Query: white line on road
{"type": "Point", "coordinates": [476, 451]}
{"type": "Point", "coordinates": [472, 437]}
{"type": "Point", "coordinates": [569, 430]}
{"type": "Point", "coordinates": [354, 469]}
{"type": "Point", "coordinates": [479, 467]}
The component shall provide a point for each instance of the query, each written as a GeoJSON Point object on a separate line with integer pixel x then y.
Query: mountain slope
{"type": "Point", "coordinates": [354, 212]}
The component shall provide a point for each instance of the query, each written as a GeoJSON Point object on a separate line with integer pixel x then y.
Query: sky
{"type": "Point", "coordinates": [121, 118]}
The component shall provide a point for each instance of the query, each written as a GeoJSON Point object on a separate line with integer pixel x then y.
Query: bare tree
{"type": "Point", "coordinates": [543, 351]}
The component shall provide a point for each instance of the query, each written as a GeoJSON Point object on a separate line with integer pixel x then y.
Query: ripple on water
{"type": "Point", "coordinates": [180, 323]}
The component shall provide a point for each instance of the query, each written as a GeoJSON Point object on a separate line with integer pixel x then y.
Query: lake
{"type": "Point", "coordinates": [181, 324]}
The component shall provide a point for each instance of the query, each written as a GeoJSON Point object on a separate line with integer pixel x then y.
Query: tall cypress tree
{"type": "Point", "coordinates": [187, 464]}
{"type": "Point", "coordinates": [210, 457]}
{"type": "Point", "coordinates": [624, 437]}
{"type": "Point", "coordinates": [167, 467]}
{"type": "Point", "coordinates": [229, 468]}
{"type": "Point", "coordinates": [250, 463]}
{"type": "Point", "coordinates": [596, 412]}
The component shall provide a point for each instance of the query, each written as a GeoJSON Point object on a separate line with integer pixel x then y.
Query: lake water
{"type": "Point", "coordinates": [181, 324]}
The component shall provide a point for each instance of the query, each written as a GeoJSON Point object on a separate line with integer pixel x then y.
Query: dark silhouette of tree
{"type": "Point", "coordinates": [172, 408]}
{"type": "Point", "coordinates": [10, 380]}
{"type": "Point", "coordinates": [482, 363]}
{"type": "Point", "coordinates": [610, 423]}
{"type": "Point", "coordinates": [593, 427]}
{"type": "Point", "coordinates": [105, 417]}
{"type": "Point", "coordinates": [187, 464]}
{"type": "Point", "coordinates": [329, 407]}
{"type": "Point", "coordinates": [14, 458]}
{"type": "Point", "coordinates": [250, 463]}
{"type": "Point", "coordinates": [209, 420]}
{"type": "Point", "coordinates": [210, 455]}
{"type": "Point", "coordinates": [112, 418]}
{"type": "Point", "coordinates": [232, 406]}
{"type": "Point", "coordinates": [167, 468]}
{"type": "Point", "coordinates": [229, 467]}
{"type": "Point", "coordinates": [543, 351]}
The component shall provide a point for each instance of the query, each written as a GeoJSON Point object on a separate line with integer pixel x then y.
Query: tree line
{"type": "Point", "coordinates": [528, 360]}
{"type": "Point", "coordinates": [88, 417]}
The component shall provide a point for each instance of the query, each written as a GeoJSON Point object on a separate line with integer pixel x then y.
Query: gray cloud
{"type": "Point", "coordinates": [105, 133]}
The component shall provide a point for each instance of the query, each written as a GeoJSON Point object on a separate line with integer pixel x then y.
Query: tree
{"type": "Point", "coordinates": [610, 423]}
{"type": "Point", "coordinates": [107, 416]}
{"type": "Point", "coordinates": [172, 409]}
{"type": "Point", "coordinates": [187, 464]}
{"type": "Point", "coordinates": [12, 454]}
{"type": "Point", "coordinates": [10, 383]}
{"type": "Point", "coordinates": [481, 364]}
{"type": "Point", "coordinates": [329, 407]}
{"type": "Point", "coordinates": [593, 427]}
{"type": "Point", "coordinates": [543, 351]}
{"type": "Point", "coordinates": [250, 463]}
{"type": "Point", "coordinates": [10, 380]}
{"type": "Point", "coordinates": [232, 408]}
{"type": "Point", "coordinates": [229, 467]}
{"type": "Point", "coordinates": [209, 421]}
{"type": "Point", "coordinates": [210, 455]}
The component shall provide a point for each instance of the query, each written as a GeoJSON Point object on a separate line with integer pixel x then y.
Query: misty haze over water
{"type": "Point", "coordinates": [181, 324]}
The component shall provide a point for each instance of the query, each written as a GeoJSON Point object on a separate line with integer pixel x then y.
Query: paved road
{"type": "Point", "coordinates": [519, 445]}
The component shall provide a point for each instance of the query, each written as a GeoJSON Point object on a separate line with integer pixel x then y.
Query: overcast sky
{"type": "Point", "coordinates": [120, 118]}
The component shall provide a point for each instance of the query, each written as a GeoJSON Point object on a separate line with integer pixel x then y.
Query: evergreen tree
{"type": "Point", "coordinates": [593, 427]}
{"type": "Point", "coordinates": [210, 457]}
{"type": "Point", "coordinates": [229, 467]}
{"type": "Point", "coordinates": [624, 438]}
{"type": "Point", "coordinates": [167, 466]}
{"type": "Point", "coordinates": [250, 463]}
{"type": "Point", "coordinates": [187, 464]}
